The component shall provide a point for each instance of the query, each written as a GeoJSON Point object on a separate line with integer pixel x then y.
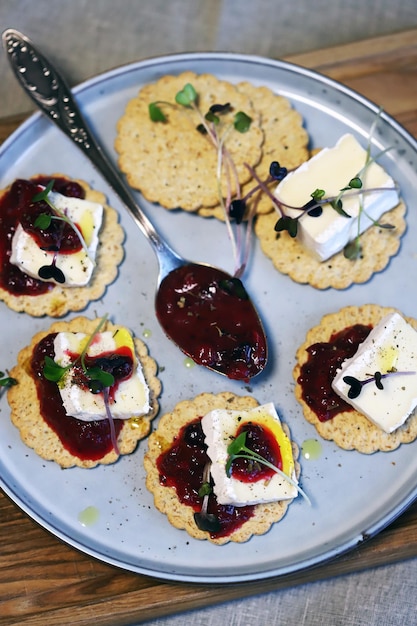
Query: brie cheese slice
{"type": "Point", "coordinates": [331, 170]}
{"type": "Point", "coordinates": [220, 427]}
{"type": "Point", "coordinates": [391, 350]}
{"type": "Point", "coordinates": [77, 267]}
{"type": "Point", "coordinates": [131, 396]}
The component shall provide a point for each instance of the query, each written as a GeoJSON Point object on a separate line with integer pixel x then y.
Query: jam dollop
{"type": "Point", "coordinates": [182, 466]}
{"type": "Point", "coordinates": [119, 364]}
{"type": "Point", "coordinates": [260, 440]}
{"type": "Point", "coordinates": [209, 315]}
{"type": "Point", "coordinates": [85, 440]}
{"type": "Point", "coordinates": [17, 206]}
{"type": "Point", "coordinates": [317, 373]}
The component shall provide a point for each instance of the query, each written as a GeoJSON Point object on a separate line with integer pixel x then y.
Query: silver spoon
{"type": "Point", "coordinates": [240, 356]}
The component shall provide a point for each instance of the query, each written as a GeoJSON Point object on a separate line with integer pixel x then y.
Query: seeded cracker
{"type": "Point", "coordinates": [60, 300]}
{"type": "Point", "coordinates": [36, 433]}
{"type": "Point", "coordinates": [286, 141]}
{"type": "Point", "coordinates": [165, 498]}
{"type": "Point", "coordinates": [351, 430]}
{"type": "Point", "coordinates": [289, 257]}
{"type": "Point", "coordinates": [172, 163]}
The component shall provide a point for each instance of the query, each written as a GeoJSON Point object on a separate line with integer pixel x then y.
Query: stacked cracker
{"type": "Point", "coordinates": [176, 166]}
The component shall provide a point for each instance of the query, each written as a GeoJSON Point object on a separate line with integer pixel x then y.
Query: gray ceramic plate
{"type": "Point", "coordinates": [353, 496]}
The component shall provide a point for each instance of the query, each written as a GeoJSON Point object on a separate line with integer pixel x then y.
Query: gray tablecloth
{"type": "Point", "coordinates": [384, 596]}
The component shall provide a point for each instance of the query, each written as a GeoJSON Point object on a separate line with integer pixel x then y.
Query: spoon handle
{"type": "Point", "coordinates": [50, 92]}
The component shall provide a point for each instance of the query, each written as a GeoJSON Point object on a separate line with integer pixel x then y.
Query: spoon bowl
{"type": "Point", "coordinates": [237, 350]}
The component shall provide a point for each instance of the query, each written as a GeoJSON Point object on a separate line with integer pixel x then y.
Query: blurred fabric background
{"type": "Point", "coordinates": [85, 37]}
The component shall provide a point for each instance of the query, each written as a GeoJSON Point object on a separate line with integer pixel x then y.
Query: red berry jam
{"type": "Point", "coordinates": [17, 206]}
{"type": "Point", "coordinates": [182, 467]}
{"type": "Point", "coordinates": [261, 440]}
{"type": "Point", "coordinates": [209, 314]}
{"type": "Point", "coordinates": [324, 359]}
{"type": "Point", "coordinates": [89, 441]}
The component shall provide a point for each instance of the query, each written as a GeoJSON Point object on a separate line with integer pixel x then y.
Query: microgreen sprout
{"type": "Point", "coordinates": [204, 520]}
{"type": "Point", "coordinates": [314, 207]}
{"type": "Point", "coordinates": [43, 221]}
{"type": "Point", "coordinates": [98, 380]}
{"type": "Point", "coordinates": [7, 381]}
{"type": "Point", "coordinates": [210, 124]}
{"type": "Point", "coordinates": [237, 449]}
{"type": "Point", "coordinates": [355, 385]}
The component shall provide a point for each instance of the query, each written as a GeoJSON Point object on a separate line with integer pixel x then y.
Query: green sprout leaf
{"type": "Point", "coordinates": [43, 195]}
{"type": "Point", "coordinates": [7, 381]}
{"type": "Point", "coordinates": [337, 205]}
{"type": "Point", "coordinates": [318, 194]}
{"type": "Point", "coordinates": [98, 379]}
{"type": "Point", "coordinates": [43, 221]}
{"type": "Point", "coordinates": [205, 490]}
{"type": "Point", "coordinates": [242, 122]}
{"type": "Point", "coordinates": [186, 96]}
{"type": "Point", "coordinates": [355, 183]}
{"type": "Point", "coordinates": [352, 250]}
{"type": "Point", "coordinates": [53, 371]}
{"type": "Point", "coordinates": [212, 117]}
{"type": "Point", "coordinates": [155, 113]}
{"type": "Point", "coordinates": [290, 224]}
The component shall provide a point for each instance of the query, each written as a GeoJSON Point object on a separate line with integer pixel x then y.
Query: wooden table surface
{"type": "Point", "coordinates": [44, 581]}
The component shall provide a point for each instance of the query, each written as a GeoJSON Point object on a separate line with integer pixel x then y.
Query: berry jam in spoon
{"type": "Point", "coordinates": [202, 309]}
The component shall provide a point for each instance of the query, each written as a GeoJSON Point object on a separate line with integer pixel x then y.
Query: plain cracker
{"type": "Point", "coordinates": [35, 432]}
{"type": "Point", "coordinates": [165, 498]}
{"type": "Point", "coordinates": [351, 430]}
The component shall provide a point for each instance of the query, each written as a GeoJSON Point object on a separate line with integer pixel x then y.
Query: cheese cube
{"type": "Point", "coordinates": [331, 170]}
{"type": "Point", "coordinates": [77, 267]}
{"type": "Point", "coordinates": [131, 397]}
{"type": "Point", "coordinates": [220, 427]}
{"type": "Point", "coordinates": [390, 347]}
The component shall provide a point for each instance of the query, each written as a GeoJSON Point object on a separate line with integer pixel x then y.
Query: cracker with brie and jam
{"type": "Point", "coordinates": [339, 218]}
{"type": "Point", "coordinates": [222, 467]}
{"type": "Point", "coordinates": [86, 392]}
{"type": "Point", "coordinates": [60, 245]}
{"type": "Point", "coordinates": [356, 378]}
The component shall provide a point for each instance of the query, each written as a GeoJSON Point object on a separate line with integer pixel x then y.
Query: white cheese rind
{"type": "Point", "coordinates": [219, 427]}
{"type": "Point", "coordinates": [391, 345]}
{"type": "Point", "coordinates": [131, 397]}
{"type": "Point", "coordinates": [76, 267]}
{"type": "Point", "coordinates": [331, 170]}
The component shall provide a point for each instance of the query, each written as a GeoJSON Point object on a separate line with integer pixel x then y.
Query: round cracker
{"type": "Point", "coordinates": [110, 253]}
{"type": "Point", "coordinates": [291, 258]}
{"type": "Point", "coordinates": [172, 163]}
{"type": "Point", "coordinates": [165, 498]}
{"type": "Point", "coordinates": [35, 432]}
{"type": "Point", "coordinates": [351, 430]}
{"type": "Point", "coordinates": [286, 141]}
